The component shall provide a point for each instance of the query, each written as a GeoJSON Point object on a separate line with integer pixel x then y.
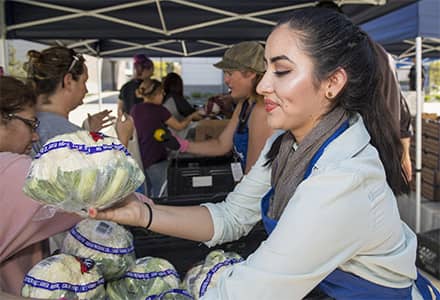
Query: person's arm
{"type": "Point", "coordinates": [179, 125]}
{"type": "Point", "coordinates": [22, 219]}
{"type": "Point", "coordinates": [124, 128]}
{"type": "Point", "coordinates": [259, 132]}
{"type": "Point", "coordinates": [212, 223]}
{"type": "Point", "coordinates": [120, 106]}
{"type": "Point", "coordinates": [220, 145]}
{"type": "Point", "coordinates": [99, 121]}
{"type": "Point", "coordinates": [324, 224]}
{"type": "Point", "coordinates": [406, 158]}
{"type": "Point", "coordinates": [405, 137]}
{"type": "Point", "coordinates": [189, 222]}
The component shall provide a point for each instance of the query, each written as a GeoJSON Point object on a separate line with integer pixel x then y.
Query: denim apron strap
{"type": "Point", "coordinates": [423, 285]}
{"type": "Point", "coordinates": [241, 135]}
{"type": "Point", "coordinates": [269, 224]}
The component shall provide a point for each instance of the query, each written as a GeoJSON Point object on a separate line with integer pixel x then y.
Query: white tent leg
{"type": "Point", "coordinates": [419, 110]}
{"type": "Point", "coordinates": [99, 81]}
{"type": "Point", "coordinates": [3, 42]}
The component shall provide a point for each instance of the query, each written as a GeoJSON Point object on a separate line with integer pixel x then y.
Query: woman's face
{"type": "Point", "coordinates": [80, 88]}
{"type": "Point", "coordinates": [18, 133]}
{"type": "Point", "coordinates": [240, 83]}
{"type": "Point", "coordinates": [291, 100]}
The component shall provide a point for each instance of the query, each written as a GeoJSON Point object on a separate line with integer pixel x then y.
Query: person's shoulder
{"type": "Point", "coordinates": [14, 163]}
{"type": "Point", "coordinates": [52, 124]}
{"type": "Point", "coordinates": [133, 83]}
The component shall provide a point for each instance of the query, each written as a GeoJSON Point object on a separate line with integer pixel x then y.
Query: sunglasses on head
{"type": "Point", "coordinates": [75, 59]}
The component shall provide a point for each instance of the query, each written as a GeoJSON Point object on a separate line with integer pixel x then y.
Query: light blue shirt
{"type": "Point", "coordinates": [344, 215]}
{"type": "Point", "coordinates": [51, 125]}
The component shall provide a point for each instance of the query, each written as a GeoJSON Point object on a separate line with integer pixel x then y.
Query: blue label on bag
{"type": "Point", "coordinates": [98, 247]}
{"type": "Point", "coordinates": [213, 270]}
{"type": "Point", "coordinates": [173, 291]}
{"type": "Point", "coordinates": [81, 148]}
{"type": "Point", "coordinates": [52, 286]}
{"type": "Point", "coordinates": [151, 275]}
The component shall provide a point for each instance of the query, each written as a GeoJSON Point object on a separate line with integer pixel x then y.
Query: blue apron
{"type": "Point", "coordinates": [343, 285]}
{"type": "Point", "coordinates": [241, 135]}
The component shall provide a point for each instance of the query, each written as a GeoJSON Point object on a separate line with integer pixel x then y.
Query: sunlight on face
{"type": "Point", "coordinates": [80, 87]}
{"type": "Point", "coordinates": [240, 83]}
{"type": "Point", "coordinates": [291, 100]}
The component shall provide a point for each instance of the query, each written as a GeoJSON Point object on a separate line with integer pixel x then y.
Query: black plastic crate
{"type": "Point", "coordinates": [428, 252]}
{"type": "Point", "coordinates": [192, 176]}
{"type": "Point", "coordinates": [184, 254]}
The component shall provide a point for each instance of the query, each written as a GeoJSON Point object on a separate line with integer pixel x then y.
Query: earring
{"type": "Point", "coordinates": [329, 95]}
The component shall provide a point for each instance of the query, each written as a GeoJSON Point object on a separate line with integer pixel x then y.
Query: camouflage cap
{"type": "Point", "coordinates": [243, 56]}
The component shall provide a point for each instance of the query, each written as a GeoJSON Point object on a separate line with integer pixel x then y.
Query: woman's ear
{"type": "Point", "coordinates": [68, 81]}
{"type": "Point", "coordinates": [249, 74]}
{"type": "Point", "coordinates": [335, 83]}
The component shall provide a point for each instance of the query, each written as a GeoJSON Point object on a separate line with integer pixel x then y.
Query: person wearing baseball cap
{"type": "Point", "coordinates": [143, 70]}
{"type": "Point", "coordinates": [247, 130]}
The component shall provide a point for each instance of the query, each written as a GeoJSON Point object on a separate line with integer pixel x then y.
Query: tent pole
{"type": "Point", "coordinates": [3, 42]}
{"type": "Point", "coordinates": [419, 110]}
{"type": "Point", "coordinates": [99, 81]}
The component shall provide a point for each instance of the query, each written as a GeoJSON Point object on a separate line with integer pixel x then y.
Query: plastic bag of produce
{"type": "Point", "coordinates": [149, 277]}
{"type": "Point", "coordinates": [83, 169]}
{"type": "Point", "coordinates": [65, 276]}
{"type": "Point", "coordinates": [107, 243]}
{"type": "Point", "coordinates": [174, 294]}
{"type": "Point", "coordinates": [201, 277]}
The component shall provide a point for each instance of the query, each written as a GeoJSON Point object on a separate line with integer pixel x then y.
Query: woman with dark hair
{"type": "Point", "coordinates": [23, 240]}
{"type": "Point", "coordinates": [174, 100]}
{"type": "Point", "coordinates": [325, 185]}
{"type": "Point", "coordinates": [59, 77]}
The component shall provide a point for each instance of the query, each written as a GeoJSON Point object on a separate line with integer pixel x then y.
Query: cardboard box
{"type": "Point", "coordinates": [208, 129]}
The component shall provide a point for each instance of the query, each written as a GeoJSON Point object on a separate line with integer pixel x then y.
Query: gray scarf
{"type": "Point", "coordinates": [290, 165]}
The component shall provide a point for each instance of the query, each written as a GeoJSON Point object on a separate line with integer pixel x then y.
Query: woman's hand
{"type": "Point", "coordinates": [100, 120]}
{"type": "Point", "coordinates": [196, 116]}
{"type": "Point", "coordinates": [124, 128]}
{"type": "Point", "coordinates": [131, 211]}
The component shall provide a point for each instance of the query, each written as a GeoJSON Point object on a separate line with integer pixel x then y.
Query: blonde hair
{"type": "Point", "coordinates": [151, 91]}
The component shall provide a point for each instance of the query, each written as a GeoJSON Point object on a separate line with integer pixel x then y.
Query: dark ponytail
{"type": "Point", "coordinates": [332, 41]}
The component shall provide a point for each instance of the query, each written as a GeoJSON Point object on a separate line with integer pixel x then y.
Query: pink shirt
{"type": "Point", "coordinates": [22, 239]}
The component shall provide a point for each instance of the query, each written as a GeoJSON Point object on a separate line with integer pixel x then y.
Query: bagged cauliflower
{"type": "Point", "coordinates": [149, 277]}
{"type": "Point", "coordinates": [201, 277]}
{"type": "Point", "coordinates": [107, 243]}
{"type": "Point", "coordinates": [65, 276]}
{"type": "Point", "coordinates": [82, 169]}
{"type": "Point", "coordinates": [174, 294]}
